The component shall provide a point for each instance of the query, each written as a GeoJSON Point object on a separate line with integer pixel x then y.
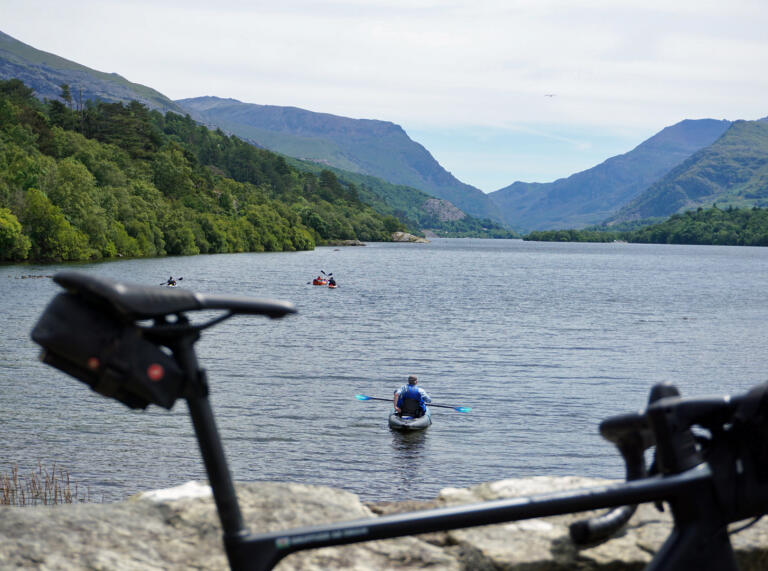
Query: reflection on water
{"type": "Point", "coordinates": [407, 445]}
{"type": "Point", "coordinates": [409, 450]}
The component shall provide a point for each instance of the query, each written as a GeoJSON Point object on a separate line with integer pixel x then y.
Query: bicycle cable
{"type": "Point", "coordinates": [745, 526]}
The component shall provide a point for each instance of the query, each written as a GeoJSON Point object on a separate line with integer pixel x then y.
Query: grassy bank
{"type": "Point", "coordinates": [41, 487]}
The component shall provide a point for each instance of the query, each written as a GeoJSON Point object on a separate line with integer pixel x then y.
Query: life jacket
{"type": "Point", "coordinates": [411, 402]}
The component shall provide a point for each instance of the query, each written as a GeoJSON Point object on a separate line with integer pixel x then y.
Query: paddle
{"type": "Point", "coordinates": [329, 275]}
{"type": "Point", "coordinates": [456, 408]}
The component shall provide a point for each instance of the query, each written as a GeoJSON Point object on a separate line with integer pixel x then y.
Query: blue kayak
{"type": "Point", "coordinates": [408, 423]}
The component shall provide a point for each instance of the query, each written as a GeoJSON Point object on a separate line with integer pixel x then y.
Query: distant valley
{"type": "Point", "coordinates": [590, 197]}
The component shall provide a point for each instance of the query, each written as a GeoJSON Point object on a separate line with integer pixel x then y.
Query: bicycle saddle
{"type": "Point", "coordinates": [136, 301]}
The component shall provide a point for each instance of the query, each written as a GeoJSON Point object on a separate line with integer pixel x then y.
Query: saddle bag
{"type": "Point", "coordinates": [111, 355]}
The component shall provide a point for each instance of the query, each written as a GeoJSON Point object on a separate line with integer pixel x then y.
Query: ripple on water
{"type": "Point", "coordinates": [548, 340]}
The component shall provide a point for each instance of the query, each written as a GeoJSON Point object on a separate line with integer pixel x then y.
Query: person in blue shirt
{"type": "Point", "coordinates": [411, 400]}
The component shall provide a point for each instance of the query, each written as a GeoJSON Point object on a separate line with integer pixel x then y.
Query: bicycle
{"type": "Point", "coordinates": [136, 344]}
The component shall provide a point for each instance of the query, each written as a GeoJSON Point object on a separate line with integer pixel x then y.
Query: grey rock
{"type": "Point", "coordinates": [443, 210]}
{"type": "Point", "coordinates": [179, 529]}
{"type": "Point", "coordinates": [406, 237]}
{"type": "Point", "coordinates": [143, 534]}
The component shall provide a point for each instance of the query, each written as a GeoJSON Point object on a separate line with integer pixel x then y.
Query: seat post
{"type": "Point", "coordinates": [208, 438]}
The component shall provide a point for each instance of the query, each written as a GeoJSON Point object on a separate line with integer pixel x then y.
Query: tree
{"type": "Point", "coordinates": [53, 238]}
{"type": "Point", "coordinates": [66, 95]}
{"type": "Point", "coordinates": [14, 245]}
{"type": "Point", "coordinates": [172, 173]}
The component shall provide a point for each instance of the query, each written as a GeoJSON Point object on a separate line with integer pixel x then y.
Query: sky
{"type": "Point", "coordinates": [497, 90]}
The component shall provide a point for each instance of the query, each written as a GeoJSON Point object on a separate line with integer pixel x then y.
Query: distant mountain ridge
{"type": "Point", "coordinates": [692, 163]}
{"type": "Point", "coordinates": [733, 171]}
{"type": "Point", "coordinates": [366, 146]}
{"type": "Point", "coordinates": [45, 72]}
{"type": "Point", "coordinates": [591, 196]}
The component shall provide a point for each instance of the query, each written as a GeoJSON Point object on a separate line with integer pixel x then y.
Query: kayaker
{"type": "Point", "coordinates": [411, 400]}
{"type": "Point", "coordinates": [332, 282]}
{"type": "Point", "coordinates": [171, 281]}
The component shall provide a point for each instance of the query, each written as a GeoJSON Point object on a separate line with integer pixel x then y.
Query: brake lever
{"type": "Point", "coordinates": [632, 437]}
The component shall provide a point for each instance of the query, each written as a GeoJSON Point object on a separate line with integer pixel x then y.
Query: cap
{"type": "Point", "coordinates": [412, 379]}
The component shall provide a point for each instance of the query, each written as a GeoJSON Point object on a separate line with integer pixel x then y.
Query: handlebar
{"type": "Point", "coordinates": [667, 424]}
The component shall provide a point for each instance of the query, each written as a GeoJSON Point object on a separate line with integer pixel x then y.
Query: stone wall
{"type": "Point", "coordinates": [178, 529]}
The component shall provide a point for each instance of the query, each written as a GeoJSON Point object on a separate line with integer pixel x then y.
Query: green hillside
{"type": "Point", "coordinates": [416, 209]}
{"type": "Point", "coordinates": [376, 148]}
{"type": "Point", "coordinates": [115, 180]}
{"type": "Point", "coordinates": [731, 172]}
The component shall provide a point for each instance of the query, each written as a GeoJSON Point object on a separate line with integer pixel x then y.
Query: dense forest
{"type": "Point", "coordinates": [106, 179]}
{"type": "Point", "coordinates": [728, 227]}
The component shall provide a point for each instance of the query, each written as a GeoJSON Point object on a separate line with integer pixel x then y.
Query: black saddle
{"type": "Point", "coordinates": [95, 331]}
{"type": "Point", "coordinates": [134, 301]}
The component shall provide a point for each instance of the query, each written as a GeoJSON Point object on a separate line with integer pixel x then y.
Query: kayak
{"type": "Point", "coordinates": [319, 282]}
{"type": "Point", "coordinates": [332, 286]}
{"type": "Point", "coordinates": [408, 423]}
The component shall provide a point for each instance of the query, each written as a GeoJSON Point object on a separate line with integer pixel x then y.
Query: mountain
{"type": "Point", "coordinates": [45, 72]}
{"type": "Point", "coordinates": [731, 172]}
{"type": "Point", "coordinates": [591, 196]}
{"type": "Point", "coordinates": [377, 148]}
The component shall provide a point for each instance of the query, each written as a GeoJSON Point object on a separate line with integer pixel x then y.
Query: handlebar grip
{"type": "Point", "coordinates": [631, 445]}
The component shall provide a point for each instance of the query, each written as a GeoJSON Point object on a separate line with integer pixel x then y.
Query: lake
{"type": "Point", "coordinates": [542, 340]}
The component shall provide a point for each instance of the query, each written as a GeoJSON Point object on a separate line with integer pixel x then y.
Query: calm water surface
{"type": "Point", "coordinates": [542, 340]}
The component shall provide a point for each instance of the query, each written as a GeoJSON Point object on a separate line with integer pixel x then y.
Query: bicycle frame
{"type": "Point", "coordinates": [707, 482]}
{"type": "Point", "coordinates": [699, 540]}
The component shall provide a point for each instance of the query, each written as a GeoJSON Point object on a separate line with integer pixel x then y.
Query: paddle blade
{"type": "Point", "coordinates": [463, 408]}
{"type": "Point", "coordinates": [363, 397]}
